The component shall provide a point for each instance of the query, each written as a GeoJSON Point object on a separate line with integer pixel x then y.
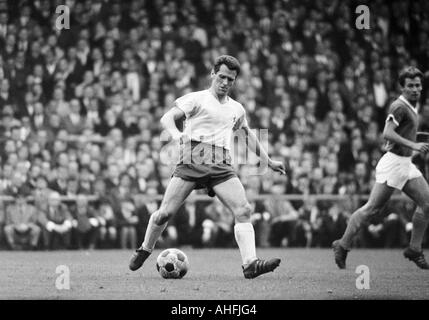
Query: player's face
{"type": "Point", "coordinates": [412, 89]}
{"type": "Point", "coordinates": [223, 80]}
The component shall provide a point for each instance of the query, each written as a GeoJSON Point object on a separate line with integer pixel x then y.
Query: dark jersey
{"type": "Point", "coordinates": [421, 160]}
{"type": "Point", "coordinates": [422, 164]}
{"type": "Point", "coordinates": [405, 116]}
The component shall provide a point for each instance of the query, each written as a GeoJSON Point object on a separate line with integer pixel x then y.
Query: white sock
{"type": "Point", "coordinates": [245, 237]}
{"type": "Point", "coordinates": [153, 232]}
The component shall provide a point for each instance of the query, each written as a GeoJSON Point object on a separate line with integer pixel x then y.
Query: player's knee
{"type": "Point", "coordinates": [163, 215]}
{"type": "Point", "coordinates": [243, 213]}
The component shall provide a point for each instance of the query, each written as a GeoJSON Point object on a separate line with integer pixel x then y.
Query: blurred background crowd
{"type": "Point", "coordinates": [81, 139]}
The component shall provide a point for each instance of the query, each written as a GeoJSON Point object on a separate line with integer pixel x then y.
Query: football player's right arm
{"type": "Point", "coordinates": [168, 121]}
{"type": "Point", "coordinates": [390, 134]}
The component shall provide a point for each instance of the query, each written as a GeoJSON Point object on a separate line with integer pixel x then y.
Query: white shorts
{"type": "Point", "coordinates": [395, 170]}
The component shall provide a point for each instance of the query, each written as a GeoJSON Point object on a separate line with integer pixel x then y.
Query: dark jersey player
{"type": "Point", "coordinates": [395, 170]}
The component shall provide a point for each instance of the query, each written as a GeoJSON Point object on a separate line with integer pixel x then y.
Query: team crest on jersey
{"type": "Point", "coordinates": [235, 123]}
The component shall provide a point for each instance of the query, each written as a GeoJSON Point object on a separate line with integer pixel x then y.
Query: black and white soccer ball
{"type": "Point", "coordinates": [172, 263]}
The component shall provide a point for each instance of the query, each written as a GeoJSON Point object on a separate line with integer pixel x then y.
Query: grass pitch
{"type": "Point", "coordinates": [215, 274]}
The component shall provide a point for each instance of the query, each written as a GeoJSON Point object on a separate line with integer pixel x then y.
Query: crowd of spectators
{"type": "Point", "coordinates": [80, 110]}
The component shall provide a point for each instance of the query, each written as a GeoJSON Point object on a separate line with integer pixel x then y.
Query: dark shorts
{"type": "Point", "coordinates": [206, 176]}
{"type": "Point", "coordinates": [207, 166]}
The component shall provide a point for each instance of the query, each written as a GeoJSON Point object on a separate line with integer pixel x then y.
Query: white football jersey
{"type": "Point", "coordinates": [208, 120]}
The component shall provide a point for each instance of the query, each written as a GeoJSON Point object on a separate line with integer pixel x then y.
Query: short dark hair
{"type": "Point", "coordinates": [231, 62]}
{"type": "Point", "coordinates": [409, 72]}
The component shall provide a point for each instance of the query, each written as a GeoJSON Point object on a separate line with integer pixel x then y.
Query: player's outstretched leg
{"type": "Point", "coordinates": [259, 266]}
{"type": "Point", "coordinates": [176, 193]}
{"type": "Point", "coordinates": [153, 232]}
{"type": "Point", "coordinates": [380, 194]}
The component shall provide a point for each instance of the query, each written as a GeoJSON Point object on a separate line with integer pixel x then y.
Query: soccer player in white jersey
{"type": "Point", "coordinates": [395, 170]}
{"type": "Point", "coordinates": [211, 118]}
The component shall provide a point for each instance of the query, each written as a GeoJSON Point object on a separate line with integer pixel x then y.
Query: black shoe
{"type": "Point", "coordinates": [340, 254]}
{"type": "Point", "coordinates": [417, 257]}
{"type": "Point", "coordinates": [258, 267]}
{"type": "Point", "coordinates": [137, 259]}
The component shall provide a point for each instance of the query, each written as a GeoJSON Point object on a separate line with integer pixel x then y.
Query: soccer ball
{"type": "Point", "coordinates": [172, 263]}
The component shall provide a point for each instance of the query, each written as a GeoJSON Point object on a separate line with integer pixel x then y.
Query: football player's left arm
{"type": "Point", "coordinates": [255, 146]}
